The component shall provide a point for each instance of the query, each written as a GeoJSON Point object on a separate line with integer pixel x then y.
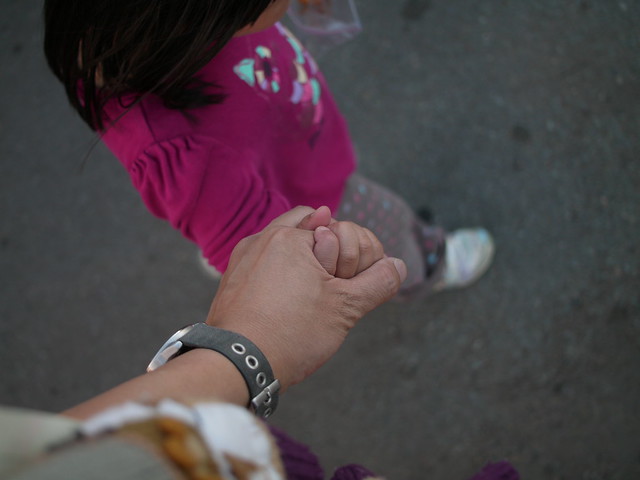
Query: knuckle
{"type": "Point", "coordinates": [366, 248]}
{"type": "Point", "coordinates": [344, 226]}
{"type": "Point", "coordinates": [349, 256]}
{"type": "Point", "coordinates": [302, 209]}
{"type": "Point", "coordinates": [372, 236]}
{"type": "Point", "coordinates": [279, 237]}
{"type": "Point", "coordinates": [337, 227]}
{"type": "Point", "coordinates": [376, 245]}
{"type": "Point", "coordinates": [386, 286]}
{"type": "Point", "coordinates": [391, 279]}
{"type": "Point", "coordinates": [279, 233]}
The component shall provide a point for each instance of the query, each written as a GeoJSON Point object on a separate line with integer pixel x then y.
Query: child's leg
{"type": "Point", "coordinates": [403, 235]}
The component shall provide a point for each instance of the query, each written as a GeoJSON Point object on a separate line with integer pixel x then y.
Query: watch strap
{"type": "Point", "coordinates": [247, 358]}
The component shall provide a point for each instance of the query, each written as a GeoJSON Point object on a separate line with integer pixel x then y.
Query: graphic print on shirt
{"type": "Point", "coordinates": [261, 72]}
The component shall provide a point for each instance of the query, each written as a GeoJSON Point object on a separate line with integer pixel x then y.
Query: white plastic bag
{"type": "Point", "coordinates": [323, 24]}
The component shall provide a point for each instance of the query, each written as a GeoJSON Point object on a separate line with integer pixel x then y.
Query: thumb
{"type": "Point", "coordinates": [378, 283]}
{"type": "Point", "coordinates": [293, 217]}
{"type": "Point", "coordinates": [321, 217]}
{"type": "Point", "coordinates": [326, 249]}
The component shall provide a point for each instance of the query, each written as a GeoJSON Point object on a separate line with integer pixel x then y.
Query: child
{"type": "Point", "coordinates": [224, 122]}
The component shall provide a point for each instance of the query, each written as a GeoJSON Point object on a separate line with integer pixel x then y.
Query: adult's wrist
{"type": "Point", "coordinates": [245, 356]}
{"type": "Point", "coordinates": [214, 376]}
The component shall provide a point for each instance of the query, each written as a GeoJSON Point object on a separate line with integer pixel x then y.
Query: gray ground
{"type": "Point", "coordinates": [523, 117]}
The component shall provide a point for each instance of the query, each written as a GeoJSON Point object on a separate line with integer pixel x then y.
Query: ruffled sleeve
{"type": "Point", "coordinates": [211, 193]}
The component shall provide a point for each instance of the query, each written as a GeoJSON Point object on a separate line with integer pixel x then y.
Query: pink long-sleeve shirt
{"type": "Point", "coordinates": [225, 171]}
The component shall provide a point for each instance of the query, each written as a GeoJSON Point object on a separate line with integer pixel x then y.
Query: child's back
{"type": "Point", "coordinates": [224, 171]}
{"type": "Point", "coordinates": [224, 122]}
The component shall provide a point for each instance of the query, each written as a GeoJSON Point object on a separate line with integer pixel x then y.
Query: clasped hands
{"type": "Point", "coordinates": [298, 287]}
{"type": "Point", "coordinates": [296, 290]}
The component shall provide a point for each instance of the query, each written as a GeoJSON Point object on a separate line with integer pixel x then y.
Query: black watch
{"type": "Point", "coordinates": [245, 355]}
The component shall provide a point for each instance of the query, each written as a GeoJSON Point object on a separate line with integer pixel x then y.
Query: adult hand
{"type": "Point", "coordinates": [276, 293]}
{"type": "Point", "coordinates": [280, 296]}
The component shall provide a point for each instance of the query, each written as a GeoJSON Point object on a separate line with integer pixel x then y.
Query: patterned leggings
{"type": "Point", "coordinates": [402, 234]}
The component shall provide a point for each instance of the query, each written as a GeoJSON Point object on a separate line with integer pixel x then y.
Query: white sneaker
{"type": "Point", "coordinates": [468, 255]}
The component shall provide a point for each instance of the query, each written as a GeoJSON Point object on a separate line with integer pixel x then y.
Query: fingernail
{"type": "Point", "coordinates": [400, 267]}
{"type": "Point", "coordinates": [322, 229]}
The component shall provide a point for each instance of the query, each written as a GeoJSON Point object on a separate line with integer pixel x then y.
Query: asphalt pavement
{"type": "Point", "coordinates": [523, 117]}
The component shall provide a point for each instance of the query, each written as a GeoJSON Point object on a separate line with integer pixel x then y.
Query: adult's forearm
{"type": "Point", "coordinates": [196, 375]}
{"type": "Point", "coordinates": [280, 295]}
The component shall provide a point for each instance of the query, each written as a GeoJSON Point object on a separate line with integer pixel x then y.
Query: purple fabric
{"type": "Point", "coordinates": [497, 471]}
{"type": "Point", "coordinates": [299, 462]}
{"type": "Point", "coordinates": [352, 472]}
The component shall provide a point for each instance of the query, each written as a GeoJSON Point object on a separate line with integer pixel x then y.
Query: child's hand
{"type": "Point", "coordinates": [358, 249]}
{"type": "Point", "coordinates": [344, 249]}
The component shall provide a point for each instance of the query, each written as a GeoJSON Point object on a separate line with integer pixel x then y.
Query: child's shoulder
{"type": "Point", "coordinates": [271, 85]}
{"type": "Point", "coordinates": [272, 51]}
{"type": "Point", "coordinates": [134, 122]}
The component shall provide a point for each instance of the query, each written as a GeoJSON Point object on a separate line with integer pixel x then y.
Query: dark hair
{"type": "Point", "coordinates": [140, 46]}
